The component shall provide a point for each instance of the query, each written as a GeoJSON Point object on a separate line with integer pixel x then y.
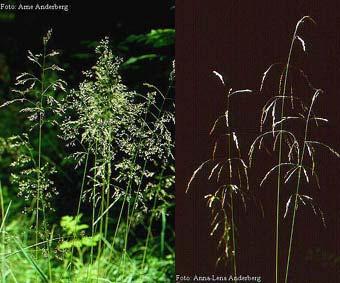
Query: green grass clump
{"type": "Point", "coordinates": [121, 145]}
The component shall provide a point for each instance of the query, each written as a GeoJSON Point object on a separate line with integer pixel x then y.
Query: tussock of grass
{"type": "Point", "coordinates": [121, 143]}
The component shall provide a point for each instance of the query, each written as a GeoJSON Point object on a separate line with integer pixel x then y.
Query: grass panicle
{"type": "Point", "coordinates": [232, 171]}
{"type": "Point", "coordinates": [121, 144]}
{"type": "Point", "coordinates": [297, 161]}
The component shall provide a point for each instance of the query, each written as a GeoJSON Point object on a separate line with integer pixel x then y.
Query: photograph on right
{"type": "Point", "coordinates": [257, 142]}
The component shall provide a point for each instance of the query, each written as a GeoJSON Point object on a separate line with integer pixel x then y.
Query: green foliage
{"type": "Point", "coordinates": [4, 70]}
{"type": "Point", "coordinates": [35, 91]}
{"type": "Point", "coordinates": [139, 59]}
{"type": "Point", "coordinates": [156, 38]}
{"type": "Point", "coordinates": [72, 226]}
{"type": "Point", "coordinates": [145, 50]}
{"type": "Point", "coordinates": [116, 126]}
{"type": "Point", "coordinates": [25, 173]}
{"type": "Point", "coordinates": [7, 16]}
{"type": "Point", "coordinates": [121, 143]}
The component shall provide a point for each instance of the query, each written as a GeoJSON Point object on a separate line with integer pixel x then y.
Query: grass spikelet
{"type": "Point", "coordinates": [303, 44]}
{"type": "Point", "coordinates": [193, 176]}
{"type": "Point", "coordinates": [220, 77]}
{"type": "Point", "coordinates": [264, 76]}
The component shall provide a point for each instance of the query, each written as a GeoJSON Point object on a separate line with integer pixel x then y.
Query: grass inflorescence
{"type": "Point", "coordinates": [289, 120]}
{"type": "Point", "coordinates": [230, 173]}
{"type": "Point", "coordinates": [121, 144]}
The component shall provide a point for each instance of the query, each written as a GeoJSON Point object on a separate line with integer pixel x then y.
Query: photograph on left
{"type": "Point", "coordinates": [87, 142]}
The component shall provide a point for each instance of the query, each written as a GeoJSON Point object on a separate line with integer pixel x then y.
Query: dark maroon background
{"type": "Point", "coordinates": [240, 39]}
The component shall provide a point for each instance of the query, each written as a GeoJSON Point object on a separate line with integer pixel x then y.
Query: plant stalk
{"type": "Point", "coordinates": [297, 190]}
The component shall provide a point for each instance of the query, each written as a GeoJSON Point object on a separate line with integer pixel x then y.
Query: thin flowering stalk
{"type": "Point", "coordinates": [298, 148]}
{"type": "Point", "coordinates": [229, 181]}
{"type": "Point", "coordinates": [280, 149]}
{"type": "Point", "coordinates": [34, 169]}
{"type": "Point", "coordinates": [222, 202]}
{"type": "Point", "coordinates": [129, 141]}
{"type": "Point", "coordinates": [298, 186]}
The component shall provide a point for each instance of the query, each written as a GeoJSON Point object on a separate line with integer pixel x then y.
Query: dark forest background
{"type": "Point", "coordinates": [143, 35]}
{"type": "Point", "coordinates": [148, 56]}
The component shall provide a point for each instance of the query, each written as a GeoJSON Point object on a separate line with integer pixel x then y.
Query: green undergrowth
{"type": "Point", "coordinates": [87, 182]}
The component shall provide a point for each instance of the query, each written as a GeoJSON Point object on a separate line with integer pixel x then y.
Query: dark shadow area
{"type": "Point", "coordinates": [240, 39]}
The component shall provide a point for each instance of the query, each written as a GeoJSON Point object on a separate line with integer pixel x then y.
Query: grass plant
{"type": "Point", "coordinates": [121, 143]}
{"type": "Point", "coordinates": [231, 175]}
{"type": "Point", "coordinates": [293, 142]}
{"type": "Point", "coordinates": [290, 120]}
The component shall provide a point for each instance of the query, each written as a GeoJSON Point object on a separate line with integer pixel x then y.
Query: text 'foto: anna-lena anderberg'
{"type": "Point", "coordinates": [229, 278]}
